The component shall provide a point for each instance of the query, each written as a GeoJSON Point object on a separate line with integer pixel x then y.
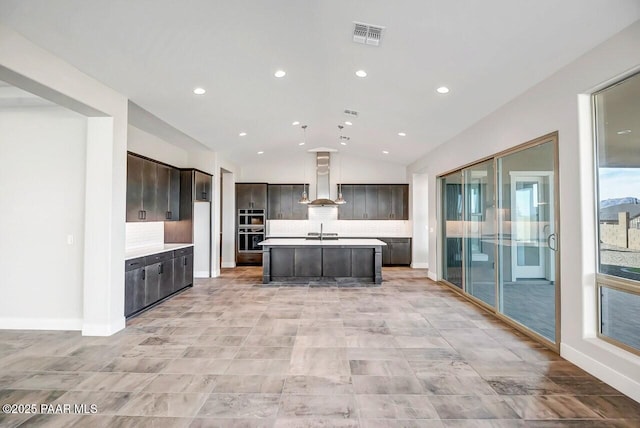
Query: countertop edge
{"type": "Point", "coordinates": [144, 252]}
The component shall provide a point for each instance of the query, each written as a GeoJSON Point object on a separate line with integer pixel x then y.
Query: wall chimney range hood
{"type": "Point", "coordinates": [323, 160]}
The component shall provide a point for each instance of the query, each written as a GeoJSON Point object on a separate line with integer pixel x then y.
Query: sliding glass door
{"type": "Point", "coordinates": [499, 235]}
{"type": "Point", "coordinates": [452, 228]}
{"type": "Point", "coordinates": [479, 233]}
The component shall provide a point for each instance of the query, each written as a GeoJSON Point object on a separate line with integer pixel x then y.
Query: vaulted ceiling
{"type": "Point", "coordinates": [157, 51]}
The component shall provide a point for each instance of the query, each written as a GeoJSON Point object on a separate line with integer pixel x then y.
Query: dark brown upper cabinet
{"type": "Point", "coordinates": [202, 187]}
{"type": "Point", "coordinates": [251, 196]}
{"type": "Point", "coordinates": [375, 202]}
{"type": "Point", "coordinates": [283, 202]}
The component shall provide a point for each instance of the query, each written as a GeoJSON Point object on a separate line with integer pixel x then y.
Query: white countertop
{"type": "Point", "coordinates": [147, 251]}
{"type": "Point", "coordinates": [288, 242]}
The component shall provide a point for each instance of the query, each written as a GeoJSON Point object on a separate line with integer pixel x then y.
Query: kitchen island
{"type": "Point", "coordinates": [337, 262]}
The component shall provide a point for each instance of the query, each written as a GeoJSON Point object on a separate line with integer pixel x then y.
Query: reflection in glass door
{"type": "Point", "coordinates": [452, 202]}
{"type": "Point", "coordinates": [479, 232]}
{"type": "Point", "coordinates": [526, 238]}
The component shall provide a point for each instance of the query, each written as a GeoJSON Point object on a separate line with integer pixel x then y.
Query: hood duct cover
{"type": "Point", "coordinates": [322, 181]}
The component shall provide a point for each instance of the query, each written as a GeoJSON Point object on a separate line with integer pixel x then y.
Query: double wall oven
{"type": "Point", "coordinates": [251, 230]}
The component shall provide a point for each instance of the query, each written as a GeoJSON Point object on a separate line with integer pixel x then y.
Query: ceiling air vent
{"type": "Point", "coordinates": [367, 34]}
{"type": "Point", "coordinates": [351, 113]}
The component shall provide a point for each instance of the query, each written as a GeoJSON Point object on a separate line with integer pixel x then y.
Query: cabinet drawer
{"type": "Point", "coordinates": [134, 264]}
{"type": "Point", "coordinates": [249, 258]}
{"type": "Point", "coordinates": [183, 251]}
{"type": "Point", "coordinates": [156, 258]}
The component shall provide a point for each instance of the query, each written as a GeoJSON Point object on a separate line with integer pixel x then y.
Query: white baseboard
{"type": "Point", "coordinates": [432, 276]}
{"type": "Point", "coordinates": [103, 329]}
{"type": "Point", "coordinates": [201, 274]}
{"type": "Point", "coordinates": [40, 324]}
{"type": "Point", "coordinates": [423, 265]}
{"type": "Point", "coordinates": [603, 372]}
{"type": "Point", "coordinates": [228, 264]}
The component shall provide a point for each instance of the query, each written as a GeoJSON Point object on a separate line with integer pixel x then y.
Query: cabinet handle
{"type": "Point", "coordinates": [168, 215]}
{"type": "Point", "coordinates": [204, 195]}
{"type": "Point", "coordinates": [185, 260]}
{"type": "Point", "coordinates": [144, 274]}
{"type": "Point", "coordinates": [140, 217]}
{"type": "Point", "coordinates": [144, 214]}
{"type": "Point", "coordinates": [160, 268]}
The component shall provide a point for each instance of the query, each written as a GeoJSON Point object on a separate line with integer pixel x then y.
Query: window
{"type": "Point", "coordinates": [617, 135]}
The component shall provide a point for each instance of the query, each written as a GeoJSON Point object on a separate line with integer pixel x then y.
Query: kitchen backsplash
{"type": "Point", "coordinates": [144, 234]}
{"type": "Point", "coordinates": [346, 228]}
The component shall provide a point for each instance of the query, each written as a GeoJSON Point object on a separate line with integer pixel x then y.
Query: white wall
{"type": "Point", "coordinates": [551, 106]}
{"type": "Point", "coordinates": [297, 166]}
{"type": "Point", "coordinates": [105, 180]}
{"type": "Point", "coordinates": [145, 144]}
{"type": "Point", "coordinates": [42, 169]}
{"type": "Point", "coordinates": [228, 255]}
{"type": "Point", "coordinates": [419, 213]}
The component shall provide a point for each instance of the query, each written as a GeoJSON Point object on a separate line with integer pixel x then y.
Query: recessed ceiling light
{"type": "Point", "coordinates": [624, 131]}
{"type": "Point", "coordinates": [343, 143]}
{"type": "Point", "coordinates": [199, 91]}
{"type": "Point", "coordinates": [260, 152]}
{"type": "Point", "coordinates": [385, 152]}
{"type": "Point", "coordinates": [361, 73]}
{"type": "Point", "coordinates": [348, 123]}
{"type": "Point", "coordinates": [402, 134]}
{"type": "Point", "coordinates": [301, 144]}
{"type": "Point", "coordinates": [242, 134]}
{"type": "Point", "coordinates": [295, 123]}
{"type": "Point", "coordinates": [280, 73]}
{"type": "Point", "coordinates": [442, 90]}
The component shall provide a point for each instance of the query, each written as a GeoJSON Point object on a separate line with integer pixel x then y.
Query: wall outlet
{"type": "Point", "coordinates": [69, 239]}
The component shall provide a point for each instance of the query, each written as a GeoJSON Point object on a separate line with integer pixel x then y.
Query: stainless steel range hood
{"type": "Point", "coordinates": [323, 192]}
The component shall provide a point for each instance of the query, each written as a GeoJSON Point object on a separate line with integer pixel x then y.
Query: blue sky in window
{"type": "Point", "coordinates": [619, 183]}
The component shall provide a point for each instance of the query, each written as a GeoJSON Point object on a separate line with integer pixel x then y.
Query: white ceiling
{"type": "Point", "coordinates": [156, 51]}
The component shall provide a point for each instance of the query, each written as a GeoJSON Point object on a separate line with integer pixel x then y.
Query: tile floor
{"type": "Point", "coordinates": [231, 353]}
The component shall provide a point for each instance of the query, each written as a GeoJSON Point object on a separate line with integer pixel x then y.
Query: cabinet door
{"type": "Point", "coordinates": [174, 195]}
{"type": "Point", "coordinates": [152, 284]}
{"type": "Point", "coordinates": [400, 202]}
{"type": "Point", "coordinates": [299, 211]}
{"type": "Point", "coordinates": [162, 193]}
{"type": "Point", "coordinates": [134, 188]}
{"type": "Point", "coordinates": [259, 196]}
{"type": "Point", "coordinates": [371, 196]}
{"type": "Point", "coordinates": [345, 211]}
{"type": "Point", "coordinates": [188, 270]}
{"type": "Point", "coordinates": [133, 291]}
{"type": "Point", "coordinates": [149, 193]}
{"type": "Point", "coordinates": [243, 196]}
{"type": "Point", "coordinates": [385, 210]}
{"type": "Point", "coordinates": [401, 252]}
{"type": "Point", "coordinates": [166, 278]}
{"type": "Point", "coordinates": [273, 192]}
{"type": "Point", "coordinates": [179, 273]}
{"type": "Point", "coordinates": [203, 186]}
{"type": "Point", "coordinates": [286, 201]}
{"type": "Point", "coordinates": [359, 202]}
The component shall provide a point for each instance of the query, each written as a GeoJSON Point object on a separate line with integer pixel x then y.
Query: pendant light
{"type": "Point", "coordinates": [340, 200]}
{"type": "Point", "coordinates": [305, 198]}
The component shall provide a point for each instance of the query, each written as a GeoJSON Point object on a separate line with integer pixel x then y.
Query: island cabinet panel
{"type": "Point", "coordinates": [282, 262]}
{"type": "Point", "coordinates": [307, 262]}
{"type": "Point", "coordinates": [363, 262]}
{"type": "Point", "coordinates": [336, 262]}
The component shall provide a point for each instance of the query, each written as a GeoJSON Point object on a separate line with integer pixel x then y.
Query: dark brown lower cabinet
{"type": "Point", "coordinates": [397, 252]}
{"type": "Point", "coordinates": [150, 279]}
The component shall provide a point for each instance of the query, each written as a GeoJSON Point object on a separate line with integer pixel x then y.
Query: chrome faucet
{"type": "Point", "coordinates": [321, 231]}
